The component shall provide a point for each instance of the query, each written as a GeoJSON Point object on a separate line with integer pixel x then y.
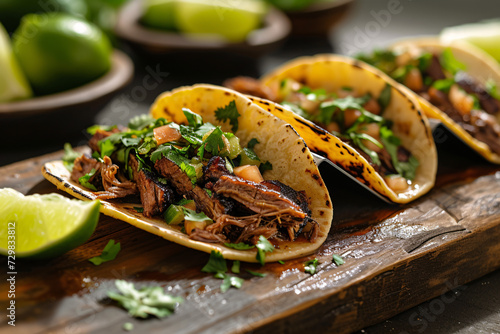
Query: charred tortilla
{"type": "Point", "coordinates": [292, 164]}
{"type": "Point", "coordinates": [331, 73]}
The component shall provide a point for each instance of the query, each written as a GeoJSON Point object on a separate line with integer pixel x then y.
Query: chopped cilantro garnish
{"type": "Point", "coordinates": [385, 97]}
{"type": "Point", "coordinates": [109, 253]}
{"type": "Point", "coordinates": [444, 84]}
{"type": "Point", "coordinates": [251, 155]}
{"type": "Point", "coordinates": [138, 209]}
{"type": "Point", "coordinates": [144, 302]}
{"type": "Point", "coordinates": [263, 246]}
{"type": "Point", "coordinates": [491, 88]}
{"type": "Point", "coordinates": [216, 263]}
{"type": "Point", "coordinates": [391, 143]}
{"type": "Point", "coordinates": [254, 273]}
{"type": "Point", "coordinates": [93, 129]}
{"type": "Point", "coordinates": [106, 147]}
{"type": "Point", "coordinates": [69, 157]}
{"type": "Point", "coordinates": [382, 59]}
{"type": "Point", "coordinates": [450, 63]}
{"type": "Point", "coordinates": [229, 112]}
{"type": "Point", "coordinates": [194, 216]}
{"type": "Point", "coordinates": [338, 260]}
{"type": "Point", "coordinates": [140, 122]}
{"type": "Point", "coordinates": [252, 143]}
{"type": "Point", "coordinates": [213, 143]}
{"type": "Point", "coordinates": [231, 281]}
{"type": "Point", "coordinates": [193, 119]}
{"type": "Point", "coordinates": [328, 108]}
{"type": "Point", "coordinates": [84, 180]}
{"type": "Point", "coordinates": [239, 246]}
{"type": "Point", "coordinates": [148, 144]}
{"type": "Point", "coordinates": [424, 61]}
{"type": "Point", "coordinates": [310, 266]}
{"type": "Point", "coordinates": [265, 166]}
{"type": "Point", "coordinates": [236, 267]}
{"type": "Point", "coordinates": [131, 141]}
{"type": "Point", "coordinates": [281, 262]}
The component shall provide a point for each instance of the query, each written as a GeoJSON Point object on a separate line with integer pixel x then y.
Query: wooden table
{"type": "Point", "coordinates": [395, 258]}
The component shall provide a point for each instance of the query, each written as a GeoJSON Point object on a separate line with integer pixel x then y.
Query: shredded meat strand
{"type": "Point", "coordinates": [114, 183]}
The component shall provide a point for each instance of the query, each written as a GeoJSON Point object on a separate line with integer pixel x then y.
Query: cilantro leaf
{"type": "Point", "coordinates": [252, 143]}
{"type": "Point", "coordinates": [491, 88]}
{"type": "Point", "coordinates": [382, 59]}
{"type": "Point", "coordinates": [147, 145]}
{"type": "Point", "coordinates": [251, 155]}
{"type": "Point", "coordinates": [106, 147]}
{"type": "Point", "coordinates": [140, 122]}
{"type": "Point", "coordinates": [296, 109]}
{"type": "Point", "coordinates": [190, 135]}
{"type": "Point", "coordinates": [84, 180]}
{"type": "Point", "coordinates": [138, 209]}
{"type": "Point", "coordinates": [109, 253]}
{"type": "Point", "coordinates": [69, 157]}
{"type": "Point", "coordinates": [194, 216]}
{"type": "Point", "coordinates": [328, 108]}
{"type": "Point", "coordinates": [391, 143]}
{"type": "Point", "coordinates": [229, 112]}
{"type": "Point", "coordinates": [130, 141]}
{"type": "Point", "coordinates": [424, 61]}
{"type": "Point", "coordinates": [310, 266]}
{"type": "Point", "coordinates": [281, 262]}
{"type": "Point", "coordinates": [338, 260]}
{"type": "Point", "coordinates": [236, 267]}
{"type": "Point", "coordinates": [385, 97]}
{"type": "Point", "coordinates": [450, 63]}
{"type": "Point", "coordinates": [444, 84]}
{"type": "Point", "coordinates": [254, 273]}
{"type": "Point", "coordinates": [230, 281]}
{"type": "Point", "coordinates": [216, 263]}
{"type": "Point", "coordinates": [263, 246]}
{"type": "Point", "coordinates": [213, 143]}
{"type": "Point", "coordinates": [93, 129]}
{"type": "Point", "coordinates": [265, 166]}
{"type": "Point", "coordinates": [193, 119]}
{"type": "Point", "coordinates": [144, 302]}
{"type": "Point", "coordinates": [357, 140]}
{"type": "Point", "coordinates": [239, 246]}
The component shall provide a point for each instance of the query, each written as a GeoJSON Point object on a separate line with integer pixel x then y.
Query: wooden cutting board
{"type": "Point", "coordinates": [396, 257]}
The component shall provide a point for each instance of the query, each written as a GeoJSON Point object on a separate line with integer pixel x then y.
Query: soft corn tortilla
{"type": "Point", "coordinates": [332, 72]}
{"type": "Point", "coordinates": [480, 65]}
{"type": "Point", "coordinates": [278, 143]}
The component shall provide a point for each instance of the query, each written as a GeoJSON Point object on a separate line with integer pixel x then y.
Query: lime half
{"type": "Point", "coordinates": [44, 226]}
{"type": "Point", "coordinates": [484, 35]}
{"type": "Point", "coordinates": [13, 83]}
{"type": "Point", "coordinates": [231, 19]}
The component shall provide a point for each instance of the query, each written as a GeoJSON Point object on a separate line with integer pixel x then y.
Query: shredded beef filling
{"type": "Point", "coordinates": [155, 195]}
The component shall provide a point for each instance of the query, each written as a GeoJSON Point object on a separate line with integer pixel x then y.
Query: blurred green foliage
{"type": "Point", "coordinates": [101, 12]}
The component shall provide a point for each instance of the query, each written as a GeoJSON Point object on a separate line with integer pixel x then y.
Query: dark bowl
{"type": "Point", "coordinates": [63, 115]}
{"type": "Point", "coordinates": [275, 29]}
{"type": "Point", "coordinates": [319, 18]}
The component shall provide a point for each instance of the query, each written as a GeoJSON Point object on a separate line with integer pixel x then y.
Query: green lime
{"type": "Point", "coordinates": [160, 14]}
{"type": "Point", "coordinates": [231, 19]}
{"type": "Point", "coordinates": [44, 226]}
{"type": "Point", "coordinates": [58, 52]}
{"type": "Point", "coordinates": [11, 11]}
{"type": "Point", "coordinates": [484, 35]}
{"type": "Point", "coordinates": [13, 83]}
{"type": "Point", "coordinates": [291, 5]}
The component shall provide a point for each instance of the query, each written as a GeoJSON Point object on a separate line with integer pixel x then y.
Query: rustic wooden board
{"type": "Point", "coordinates": [396, 257]}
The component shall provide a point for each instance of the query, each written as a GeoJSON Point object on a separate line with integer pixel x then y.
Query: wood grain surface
{"type": "Point", "coordinates": [396, 257]}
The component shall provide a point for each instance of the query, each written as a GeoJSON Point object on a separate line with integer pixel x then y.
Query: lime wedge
{"type": "Point", "coordinates": [231, 19]}
{"type": "Point", "coordinates": [159, 14]}
{"type": "Point", "coordinates": [484, 35]}
{"type": "Point", "coordinates": [13, 83]}
{"type": "Point", "coordinates": [44, 226]}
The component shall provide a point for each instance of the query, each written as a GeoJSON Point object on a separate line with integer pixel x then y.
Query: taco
{"type": "Point", "coordinates": [213, 171]}
{"type": "Point", "coordinates": [456, 84]}
{"type": "Point", "coordinates": [353, 115]}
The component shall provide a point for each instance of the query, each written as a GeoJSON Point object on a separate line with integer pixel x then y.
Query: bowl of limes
{"type": "Point", "coordinates": [313, 17]}
{"type": "Point", "coordinates": [246, 27]}
{"type": "Point", "coordinates": [58, 71]}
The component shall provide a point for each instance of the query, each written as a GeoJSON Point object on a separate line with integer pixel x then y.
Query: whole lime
{"type": "Point", "coordinates": [58, 52]}
{"type": "Point", "coordinates": [160, 14]}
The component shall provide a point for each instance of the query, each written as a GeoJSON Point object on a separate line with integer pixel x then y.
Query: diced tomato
{"type": "Point", "coordinates": [249, 172]}
{"type": "Point", "coordinates": [165, 134]}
